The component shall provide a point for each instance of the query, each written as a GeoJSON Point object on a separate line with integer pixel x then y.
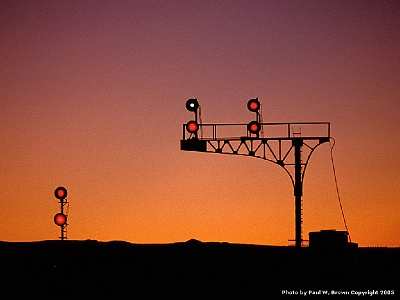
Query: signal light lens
{"type": "Point", "coordinates": [192, 105]}
{"type": "Point", "coordinates": [254, 127]}
{"type": "Point", "coordinates": [192, 126]}
{"type": "Point", "coordinates": [253, 105]}
{"type": "Point", "coordinates": [60, 193]}
{"type": "Point", "coordinates": [60, 219]}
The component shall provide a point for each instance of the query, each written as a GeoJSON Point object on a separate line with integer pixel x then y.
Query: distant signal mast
{"type": "Point", "coordinates": [60, 219]}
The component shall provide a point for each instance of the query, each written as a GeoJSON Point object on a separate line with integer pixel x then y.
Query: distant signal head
{"type": "Point", "coordinates": [192, 105]}
{"type": "Point", "coordinates": [253, 105]}
{"type": "Point", "coordinates": [192, 126]}
{"type": "Point", "coordinates": [60, 219]}
{"type": "Point", "coordinates": [60, 193]}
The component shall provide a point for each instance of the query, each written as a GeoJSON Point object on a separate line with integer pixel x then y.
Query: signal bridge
{"type": "Point", "coordinates": [279, 143]}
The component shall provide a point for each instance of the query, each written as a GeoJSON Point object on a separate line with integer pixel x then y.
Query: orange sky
{"type": "Point", "coordinates": [93, 98]}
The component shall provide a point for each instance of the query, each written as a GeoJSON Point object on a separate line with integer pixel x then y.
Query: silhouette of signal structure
{"type": "Point", "coordinates": [60, 219]}
{"type": "Point", "coordinates": [280, 143]}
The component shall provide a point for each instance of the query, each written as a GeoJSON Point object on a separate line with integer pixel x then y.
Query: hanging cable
{"type": "Point", "coordinates": [337, 188]}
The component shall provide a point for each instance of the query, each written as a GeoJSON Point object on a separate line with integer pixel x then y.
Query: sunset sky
{"type": "Point", "coordinates": [92, 98]}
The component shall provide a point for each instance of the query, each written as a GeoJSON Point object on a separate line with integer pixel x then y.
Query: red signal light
{"type": "Point", "coordinates": [253, 105]}
{"type": "Point", "coordinates": [60, 219]}
{"type": "Point", "coordinates": [60, 193]}
{"type": "Point", "coordinates": [192, 126]}
{"type": "Point", "coordinates": [254, 127]}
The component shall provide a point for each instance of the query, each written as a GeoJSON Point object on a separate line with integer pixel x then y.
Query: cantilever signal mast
{"type": "Point", "coordinates": [280, 143]}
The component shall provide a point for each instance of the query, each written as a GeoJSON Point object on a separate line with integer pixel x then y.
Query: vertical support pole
{"type": "Point", "coordinates": [63, 236]}
{"type": "Point", "coordinates": [298, 189]}
{"type": "Point", "coordinates": [195, 119]}
{"type": "Point", "coordinates": [62, 227]}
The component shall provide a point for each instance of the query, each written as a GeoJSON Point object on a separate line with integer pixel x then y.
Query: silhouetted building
{"type": "Point", "coordinates": [330, 239]}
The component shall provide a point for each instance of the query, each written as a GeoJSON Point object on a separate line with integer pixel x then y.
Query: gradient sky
{"type": "Point", "coordinates": [92, 97]}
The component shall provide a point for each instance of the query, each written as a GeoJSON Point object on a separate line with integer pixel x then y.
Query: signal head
{"type": "Point", "coordinates": [192, 105]}
{"type": "Point", "coordinates": [61, 193]}
{"type": "Point", "coordinates": [192, 126]}
{"type": "Point", "coordinates": [253, 105]}
{"type": "Point", "coordinates": [60, 219]}
{"type": "Point", "coordinates": [254, 127]}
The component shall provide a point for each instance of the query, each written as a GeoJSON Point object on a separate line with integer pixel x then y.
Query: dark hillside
{"type": "Point", "coordinates": [190, 270]}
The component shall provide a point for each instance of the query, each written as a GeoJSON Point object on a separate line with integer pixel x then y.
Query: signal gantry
{"type": "Point", "coordinates": [279, 143]}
